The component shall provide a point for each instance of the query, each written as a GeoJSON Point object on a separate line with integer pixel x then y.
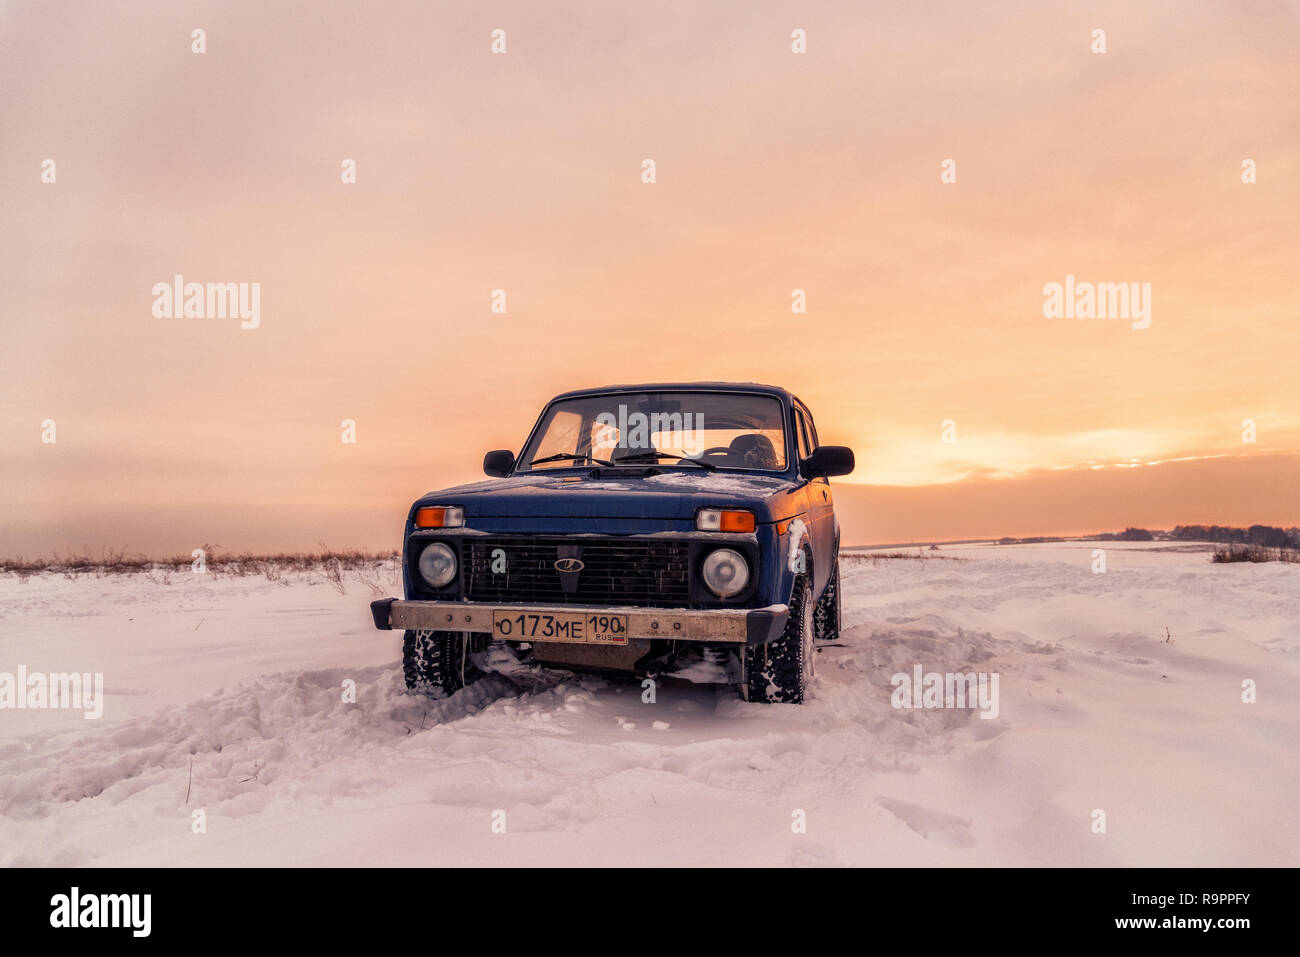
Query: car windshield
{"type": "Point", "coordinates": [725, 430]}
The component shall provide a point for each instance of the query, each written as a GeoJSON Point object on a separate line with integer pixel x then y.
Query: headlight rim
{"type": "Point", "coordinates": [744, 578]}
{"type": "Point", "coordinates": [454, 564]}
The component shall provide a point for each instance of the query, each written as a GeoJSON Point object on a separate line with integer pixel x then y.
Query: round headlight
{"type": "Point", "coordinates": [725, 572]}
{"type": "Point", "coordinates": [438, 565]}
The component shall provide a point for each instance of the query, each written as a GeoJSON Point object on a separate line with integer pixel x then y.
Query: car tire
{"type": "Point", "coordinates": [780, 671]}
{"type": "Point", "coordinates": [826, 619]}
{"type": "Point", "coordinates": [439, 663]}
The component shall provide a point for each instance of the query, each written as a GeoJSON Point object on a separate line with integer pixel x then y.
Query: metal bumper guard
{"type": "Point", "coordinates": [746, 626]}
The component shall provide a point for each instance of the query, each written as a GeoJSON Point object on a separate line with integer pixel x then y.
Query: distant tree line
{"type": "Point", "coordinates": [1265, 535]}
{"type": "Point", "coordinates": [1128, 535]}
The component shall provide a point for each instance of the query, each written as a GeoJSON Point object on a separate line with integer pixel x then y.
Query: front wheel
{"type": "Point", "coordinates": [782, 670]}
{"type": "Point", "coordinates": [438, 663]}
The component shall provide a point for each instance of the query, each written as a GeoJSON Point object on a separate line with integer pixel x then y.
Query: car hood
{"type": "Point", "coordinates": [670, 495]}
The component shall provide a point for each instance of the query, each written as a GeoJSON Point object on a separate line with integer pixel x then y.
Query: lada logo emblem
{"type": "Point", "coordinates": [569, 565]}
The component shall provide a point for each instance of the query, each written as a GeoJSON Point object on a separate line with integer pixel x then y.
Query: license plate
{"type": "Point", "coordinates": [595, 628]}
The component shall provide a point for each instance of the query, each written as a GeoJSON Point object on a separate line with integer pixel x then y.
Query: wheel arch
{"type": "Point", "coordinates": [795, 550]}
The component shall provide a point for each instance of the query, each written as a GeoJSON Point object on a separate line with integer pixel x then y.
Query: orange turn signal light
{"type": "Point", "coordinates": [724, 520]}
{"type": "Point", "coordinates": [439, 516]}
{"type": "Point", "coordinates": [737, 521]}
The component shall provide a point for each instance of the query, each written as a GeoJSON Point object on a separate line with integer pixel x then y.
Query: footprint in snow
{"type": "Point", "coordinates": [931, 825]}
{"type": "Point", "coordinates": [814, 855]}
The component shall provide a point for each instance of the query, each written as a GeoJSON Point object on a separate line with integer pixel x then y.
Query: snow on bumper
{"type": "Point", "coordinates": [752, 626]}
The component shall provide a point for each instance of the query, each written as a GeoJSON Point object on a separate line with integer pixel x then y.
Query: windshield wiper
{"type": "Point", "coordinates": [561, 456]}
{"type": "Point", "coordinates": [707, 466]}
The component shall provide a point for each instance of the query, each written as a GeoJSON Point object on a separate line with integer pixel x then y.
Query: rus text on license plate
{"type": "Point", "coordinates": [597, 628]}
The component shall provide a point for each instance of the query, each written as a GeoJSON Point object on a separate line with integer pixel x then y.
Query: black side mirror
{"type": "Point", "coordinates": [499, 463]}
{"type": "Point", "coordinates": [828, 460]}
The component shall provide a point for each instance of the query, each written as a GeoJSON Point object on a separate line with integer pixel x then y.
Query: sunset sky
{"type": "Point", "coordinates": [522, 171]}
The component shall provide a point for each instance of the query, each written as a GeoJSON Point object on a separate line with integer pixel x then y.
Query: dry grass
{"type": "Point", "coordinates": [1254, 553]}
{"type": "Point", "coordinates": [375, 570]}
{"type": "Point", "coordinates": [919, 555]}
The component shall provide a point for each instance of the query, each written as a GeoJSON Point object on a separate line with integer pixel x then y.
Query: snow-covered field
{"type": "Point", "coordinates": [231, 689]}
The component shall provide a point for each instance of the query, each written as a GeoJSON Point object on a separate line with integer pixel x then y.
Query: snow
{"type": "Point", "coordinates": [798, 532]}
{"type": "Point", "coordinates": [231, 689]}
{"type": "Point", "coordinates": [736, 483]}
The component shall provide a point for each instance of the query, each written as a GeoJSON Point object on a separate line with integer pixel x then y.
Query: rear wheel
{"type": "Point", "coordinates": [826, 619]}
{"type": "Point", "coordinates": [438, 663]}
{"type": "Point", "coordinates": [781, 670]}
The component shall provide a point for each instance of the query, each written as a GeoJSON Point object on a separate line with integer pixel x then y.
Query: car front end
{"type": "Point", "coordinates": [645, 530]}
{"type": "Point", "coordinates": [621, 582]}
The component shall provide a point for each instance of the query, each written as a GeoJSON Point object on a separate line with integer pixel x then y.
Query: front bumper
{"type": "Point", "coordinates": [744, 626]}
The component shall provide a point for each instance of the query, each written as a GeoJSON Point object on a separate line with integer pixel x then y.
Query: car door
{"type": "Point", "coordinates": [821, 504]}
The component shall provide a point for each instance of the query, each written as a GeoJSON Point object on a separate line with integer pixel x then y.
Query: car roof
{"type": "Point", "coordinates": [682, 387]}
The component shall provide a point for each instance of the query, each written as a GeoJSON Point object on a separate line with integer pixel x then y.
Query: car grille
{"type": "Point", "coordinates": [614, 572]}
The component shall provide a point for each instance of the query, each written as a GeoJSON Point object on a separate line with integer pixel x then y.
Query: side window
{"type": "Point", "coordinates": [812, 429]}
{"type": "Point", "coordinates": [805, 448]}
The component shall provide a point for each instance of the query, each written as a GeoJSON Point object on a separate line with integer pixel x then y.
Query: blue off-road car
{"type": "Point", "coordinates": [680, 530]}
